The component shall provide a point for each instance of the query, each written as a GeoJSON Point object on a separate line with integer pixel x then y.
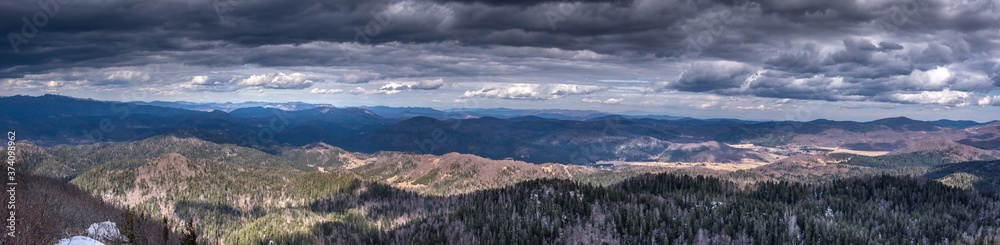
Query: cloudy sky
{"type": "Point", "coordinates": [768, 59]}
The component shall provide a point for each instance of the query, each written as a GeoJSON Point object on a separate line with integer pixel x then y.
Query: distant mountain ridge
{"type": "Point", "coordinates": [504, 113]}
{"type": "Point", "coordinates": [53, 120]}
{"type": "Point", "coordinates": [229, 106]}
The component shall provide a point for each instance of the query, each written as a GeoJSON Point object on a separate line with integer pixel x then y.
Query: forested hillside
{"type": "Point", "coordinates": [981, 175]}
{"type": "Point", "coordinates": [228, 190]}
{"type": "Point", "coordinates": [49, 209]}
{"type": "Point", "coordinates": [672, 209]}
{"type": "Point", "coordinates": [323, 195]}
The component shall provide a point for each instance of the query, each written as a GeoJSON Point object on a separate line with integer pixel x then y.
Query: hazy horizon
{"type": "Point", "coordinates": [625, 113]}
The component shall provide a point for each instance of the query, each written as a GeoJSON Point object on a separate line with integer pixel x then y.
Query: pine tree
{"type": "Point", "coordinates": [128, 229]}
{"type": "Point", "coordinates": [166, 230]}
{"type": "Point", "coordinates": [190, 235]}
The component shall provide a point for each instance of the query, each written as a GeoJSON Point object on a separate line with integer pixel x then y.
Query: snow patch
{"type": "Point", "coordinates": [79, 240]}
{"type": "Point", "coordinates": [106, 231]}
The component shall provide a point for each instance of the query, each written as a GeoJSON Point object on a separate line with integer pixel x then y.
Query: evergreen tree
{"type": "Point", "coordinates": [190, 234]}
{"type": "Point", "coordinates": [166, 230]}
{"type": "Point", "coordinates": [128, 228]}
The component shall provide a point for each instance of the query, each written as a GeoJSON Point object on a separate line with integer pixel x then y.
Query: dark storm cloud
{"type": "Point", "coordinates": [86, 30]}
{"type": "Point", "coordinates": [808, 49]}
{"type": "Point", "coordinates": [529, 2]}
{"type": "Point", "coordinates": [886, 46]}
{"type": "Point", "coordinates": [712, 76]}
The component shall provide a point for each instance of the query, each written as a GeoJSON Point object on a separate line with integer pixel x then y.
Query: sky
{"type": "Point", "coordinates": [762, 60]}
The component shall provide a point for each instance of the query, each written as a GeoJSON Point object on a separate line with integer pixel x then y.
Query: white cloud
{"type": "Point", "coordinates": [325, 91]}
{"type": "Point", "coordinates": [360, 90]}
{"type": "Point", "coordinates": [524, 91]}
{"type": "Point", "coordinates": [128, 76]}
{"type": "Point", "coordinates": [933, 79]}
{"type": "Point", "coordinates": [707, 105]}
{"type": "Point", "coordinates": [989, 100]}
{"type": "Point", "coordinates": [358, 77]}
{"type": "Point", "coordinates": [199, 80]}
{"type": "Point", "coordinates": [278, 81]}
{"type": "Point", "coordinates": [406, 86]}
{"type": "Point", "coordinates": [610, 101]}
{"type": "Point", "coordinates": [395, 86]}
{"type": "Point", "coordinates": [202, 82]}
{"type": "Point", "coordinates": [944, 97]}
{"type": "Point", "coordinates": [746, 108]}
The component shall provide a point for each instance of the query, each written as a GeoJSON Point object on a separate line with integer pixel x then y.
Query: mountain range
{"type": "Point", "coordinates": [51, 120]}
